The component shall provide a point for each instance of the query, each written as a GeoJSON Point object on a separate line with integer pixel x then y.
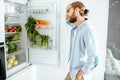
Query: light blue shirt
{"type": "Point", "coordinates": [83, 51]}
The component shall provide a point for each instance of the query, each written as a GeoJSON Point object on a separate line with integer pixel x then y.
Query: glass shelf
{"type": "Point", "coordinates": [11, 32]}
{"type": "Point", "coordinates": [12, 23]}
{"type": "Point", "coordinates": [16, 53]}
{"type": "Point", "coordinates": [13, 42]}
{"type": "Point", "coordinates": [11, 15]}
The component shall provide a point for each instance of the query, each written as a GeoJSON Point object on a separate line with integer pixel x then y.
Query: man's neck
{"type": "Point", "coordinates": [79, 21]}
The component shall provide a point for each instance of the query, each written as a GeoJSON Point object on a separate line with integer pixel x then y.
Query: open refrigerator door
{"type": "Point", "coordinates": [16, 49]}
{"type": "Point", "coordinates": [43, 37]}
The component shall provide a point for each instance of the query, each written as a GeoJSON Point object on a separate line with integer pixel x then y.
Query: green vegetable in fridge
{"type": "Point", "coordinates": [29, 34]}
{"type": "Point", "coordinates": [45, 41]}
{"type": "Point", "coordinates": [8, 38]}
{"type": "Point", "coordinates": [38, 39]}
{"type": "Point", "coordinates": [30, 23]}
{"type": "Point", "coordinates": [34, 37]}
{"type": "Point", "coordinates": [12, 47]}
{"type": "Point", "coordinates": [18, 28]}
{"type": "Point", "coordinates": [15, 37]}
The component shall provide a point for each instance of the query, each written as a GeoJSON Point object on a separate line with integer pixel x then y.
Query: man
{"type": "Point", "coordinates": [83, 54]}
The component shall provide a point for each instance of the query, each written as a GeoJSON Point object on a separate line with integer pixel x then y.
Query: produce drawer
{"type": "Point", "coordinates": [16, 60]}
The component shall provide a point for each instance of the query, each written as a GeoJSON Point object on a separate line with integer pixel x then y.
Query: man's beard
{"type": "Point", "coordinates": [73, 19]}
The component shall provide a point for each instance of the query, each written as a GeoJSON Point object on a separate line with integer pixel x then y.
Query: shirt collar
{"type": "Point", "coordinates": [81, 25]}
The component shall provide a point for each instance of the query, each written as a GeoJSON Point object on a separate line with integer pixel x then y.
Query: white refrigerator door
{"type": "Point", "coordinates": [50, 55]}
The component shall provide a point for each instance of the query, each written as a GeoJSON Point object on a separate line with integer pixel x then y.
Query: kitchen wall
{"type": "Point", "coordinates": [98, 18]}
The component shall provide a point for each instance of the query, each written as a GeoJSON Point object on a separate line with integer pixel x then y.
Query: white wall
{"type": "Point", "coordinates": [98, 18]}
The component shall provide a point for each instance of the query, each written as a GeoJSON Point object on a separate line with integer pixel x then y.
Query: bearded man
{"type": "Point", "coordinates": [83, 57]}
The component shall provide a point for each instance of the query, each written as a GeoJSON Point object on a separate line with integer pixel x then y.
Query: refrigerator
{"type": "Point", "coordinates": [31, 35]}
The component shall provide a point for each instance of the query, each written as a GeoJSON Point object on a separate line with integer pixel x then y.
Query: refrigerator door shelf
{"type": "Point", "coordinates": [45, 8]}
{"type": "Point", "coordinates": [50, 55]}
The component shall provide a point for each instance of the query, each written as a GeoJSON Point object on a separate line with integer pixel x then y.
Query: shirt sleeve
{"type": "Point", "coordinates": [90, 51]}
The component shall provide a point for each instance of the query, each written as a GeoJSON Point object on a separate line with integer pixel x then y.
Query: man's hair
{"type": "Point", "coordinates": [81, 6]}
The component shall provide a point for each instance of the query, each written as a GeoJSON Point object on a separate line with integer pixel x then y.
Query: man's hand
{"type": "Point", "coordinates": [79, 75]}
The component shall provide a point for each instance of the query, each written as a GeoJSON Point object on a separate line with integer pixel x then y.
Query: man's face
{"type": "Point", "coordinates": [70, 14]}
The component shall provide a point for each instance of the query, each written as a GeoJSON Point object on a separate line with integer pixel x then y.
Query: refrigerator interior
{"type": "Point", "coordinates": [20, 51]}
{"type": "Point", "coordinates": [16, 49]}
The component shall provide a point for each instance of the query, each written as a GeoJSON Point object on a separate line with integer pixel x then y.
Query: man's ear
{"type": "Point", "coordinates": [77, 11]}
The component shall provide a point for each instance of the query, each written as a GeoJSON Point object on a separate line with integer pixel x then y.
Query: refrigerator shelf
{"type": "Point", "coordinates": [13, 42]}
{"type": "Point", "coordinates": [11, 32]}
{"type": "Point", "coordinates": [16, 53]}
{"type": "Point", "coordinates": [15, 16]}
{"type": "Point", "coordinates": [12, 22]}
